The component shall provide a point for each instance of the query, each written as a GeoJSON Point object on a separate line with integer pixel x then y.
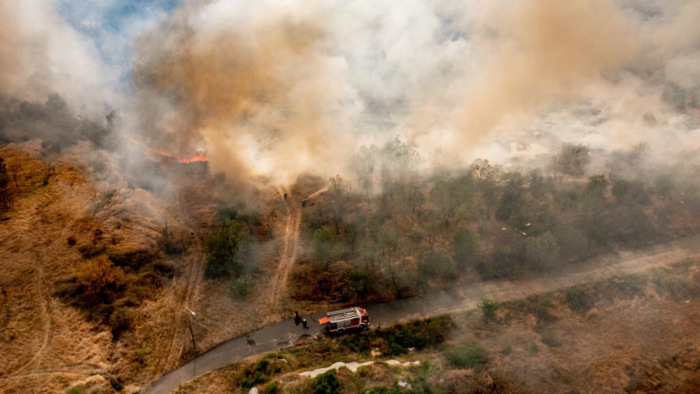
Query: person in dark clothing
{"type": "Point", "coordinates": [285, 195]}
{"type": "Point", "coordinates": [303, 322]}
{"type": "Point", "coordinates": [297, 319]}
{"type": "Point", "coordinates": [303, 202]}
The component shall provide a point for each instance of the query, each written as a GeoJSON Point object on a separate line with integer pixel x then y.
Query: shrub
{"type": "Point", "coordinates": [271, 388]}
{"type": "Point", "coordinates": [579, 299]}
{"type": "Point", "coordinates": [326, 383]}
{"type": "Point", "coordinates": [621, 288]}
{"type": "Point", "coordinates": [466, 355]}
{"type": "Point", "coordinates": [489, 308]}
{"type": "Point", "coordinates": [259, 372]}
{"type": "Point", "coordinates": [418, 334]}
{"type": "Point", "coordinates": [228, 248]}
{"type": "Point", "coordinates": [98, 274]}
{"type": "Point", "coordinates": [678, 288]}
{"type": "Point", "coordinates": [464, 247]}
{"type": "Point", "coordinates": [120, 320]}
{"type": "Point", "coordinates": [242, 286]}
{"type": "Point", "coordinates": [77, 390]}
{"type": "Point", "coordinates": [550, 338]}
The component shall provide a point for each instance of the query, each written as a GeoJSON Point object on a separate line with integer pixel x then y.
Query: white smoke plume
{"type": "Point", "coordinates": [277, 88]}
{"type": "Point", "coordinates": [41, 54]}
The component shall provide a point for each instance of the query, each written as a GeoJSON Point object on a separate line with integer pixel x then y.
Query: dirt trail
{"type": "Point", "coordinates": [188, 295]}
{"type": "Point", "coordinates": [28, 218]}
{"type": "Point", "coordinates": [288, 255]}
{"type": "Point", "coordinates": [45, 312]}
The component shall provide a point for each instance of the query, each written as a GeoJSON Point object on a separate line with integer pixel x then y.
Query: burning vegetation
{"type": "Point", "coordinates": [247, 159]}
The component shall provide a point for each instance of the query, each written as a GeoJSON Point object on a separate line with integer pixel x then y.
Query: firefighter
{"type": "Point", "coordinates": [303, 202]}
{"type": "Point", "coordinates": [297, 319]}
{"type": "Point", "coordinates": [285, 196]}
{"type": "Point", "coordinates": [303, 323]}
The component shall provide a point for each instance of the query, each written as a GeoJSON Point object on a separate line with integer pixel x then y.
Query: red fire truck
{"type": "Point", "coordinates": [337, 322]}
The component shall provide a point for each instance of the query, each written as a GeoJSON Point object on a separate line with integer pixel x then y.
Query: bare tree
{"type": "Point", "coordinates": [571, 160]}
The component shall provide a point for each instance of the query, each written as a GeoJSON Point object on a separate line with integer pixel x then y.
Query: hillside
{"type": "Point", "coordinates": [67, 210]}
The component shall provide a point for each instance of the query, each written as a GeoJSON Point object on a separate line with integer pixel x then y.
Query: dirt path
{"type": "Point", "coordinates": [188, 295]}
{"type": "Point", "coordinates": [45, 312]}
{"type": "Point", "coordinates": [282, 334]}
{"type": "Point", "coordinates": [36, 229]}
{"type": "Point", "coordinates": [288, 255]}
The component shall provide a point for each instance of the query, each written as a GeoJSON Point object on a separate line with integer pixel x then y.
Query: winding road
{"type": "Point", "coordinates": [459, 298]}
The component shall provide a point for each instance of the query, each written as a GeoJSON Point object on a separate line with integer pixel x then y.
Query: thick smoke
{"type": "Point", "coordinates": [277, 88]}
{"type": "Point", "coordinates": [280, 88]}
{"type": "Point", "coordinates": [40, 55]}
{"type": "Point", "coordinates": [245, 83]}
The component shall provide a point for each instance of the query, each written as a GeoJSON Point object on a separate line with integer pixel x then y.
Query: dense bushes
{"type": "Point", "coordinates": [229, 249]}
{"type": "Point", "coordinates": [400, 338]}
{"type": "Point", "coordinates": [411, 231]}
{"type": "Point", "coordinates": [260, 372]}
{"type": "Point", "coordinates": [326, 383]}
{"type": "Point", "coordinates": [107, 286]}
{"type": "Point", "coordinates": [466, 355]}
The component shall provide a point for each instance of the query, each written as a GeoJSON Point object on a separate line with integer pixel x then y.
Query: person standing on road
{"type": "Point", "coordinates": [297, 319]}
{"type": "Point", "coordinates": [303, 322]}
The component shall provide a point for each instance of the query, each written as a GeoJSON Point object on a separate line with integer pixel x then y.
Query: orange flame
{"type": "Point", "coordinates": [194, 159]}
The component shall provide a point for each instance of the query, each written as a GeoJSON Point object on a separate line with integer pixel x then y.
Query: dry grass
{"type": "Point", "coordinates": [647, 343]}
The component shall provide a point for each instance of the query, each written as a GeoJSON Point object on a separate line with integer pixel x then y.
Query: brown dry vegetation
{"type": "Point", "coordinates": [629, 334]}
{"type": "Point", "coordinates": [76, 209]}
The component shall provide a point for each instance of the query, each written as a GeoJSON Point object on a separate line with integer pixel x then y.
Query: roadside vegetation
{"type": "Point", "coordinates": [390, 231]}
{"type": "Point", "coordinates": [538, 344]}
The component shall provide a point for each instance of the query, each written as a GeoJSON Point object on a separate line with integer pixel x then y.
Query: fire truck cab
{"type": "Point", "coordinates": [337, 322]}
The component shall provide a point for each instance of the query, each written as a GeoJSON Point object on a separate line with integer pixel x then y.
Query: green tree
{"type": "Point", "coordinates": [597, 184]}
{"type": "Point", "coordinates": [229, 249]}
{"type": "Point", "coordinates": [510, 203]}
{"type": "Point", "coordinates": [541, 252]}
{"type": "Point", "coordinates": [465, 245]}
{"type": "Point", "coordinates": [486, 177]}
{"type": "Point", "coordinates": [326, 245]}
{"type": "Point", "coordinates": [573, 244]}
{"type": "Point", "coordinates": [447, 196]}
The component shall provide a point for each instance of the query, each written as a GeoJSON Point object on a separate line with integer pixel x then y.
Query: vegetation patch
{"type": "Point", "coordinates": [466, 355]}
{"type": "Point", "coordinates": [108, 286]}
{"type": "Point", "coordinates": [261, 372]}
{"type": "Point", "coordinates": [230, 250]}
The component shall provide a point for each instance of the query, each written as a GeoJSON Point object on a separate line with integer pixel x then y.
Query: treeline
{"type": "Point", "coordinates": [386, 231]}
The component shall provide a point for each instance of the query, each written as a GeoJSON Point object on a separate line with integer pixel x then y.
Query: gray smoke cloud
{"type": "Point", "coordinates": [284, 87]}
{"type": "Point", "coordinates": [278, 88]}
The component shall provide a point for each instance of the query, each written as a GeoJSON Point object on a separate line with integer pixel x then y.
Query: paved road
{"type": "Point", "coordinates": [459, 298]}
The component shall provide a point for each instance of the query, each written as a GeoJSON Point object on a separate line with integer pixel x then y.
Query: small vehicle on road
{"type": "Point", "coordinates": [340, 321]}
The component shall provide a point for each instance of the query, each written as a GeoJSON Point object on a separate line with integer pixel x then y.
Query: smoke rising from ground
{"type": "Point", "coordinates": [281, 88]}
{"type": "Point", "coordinates": [277, 88]}
{"type": "Point", "coordinates": [41, 55]}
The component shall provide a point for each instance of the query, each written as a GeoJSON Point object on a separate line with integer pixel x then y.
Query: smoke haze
{"type": "Point", "coordinates": [278, 88]}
